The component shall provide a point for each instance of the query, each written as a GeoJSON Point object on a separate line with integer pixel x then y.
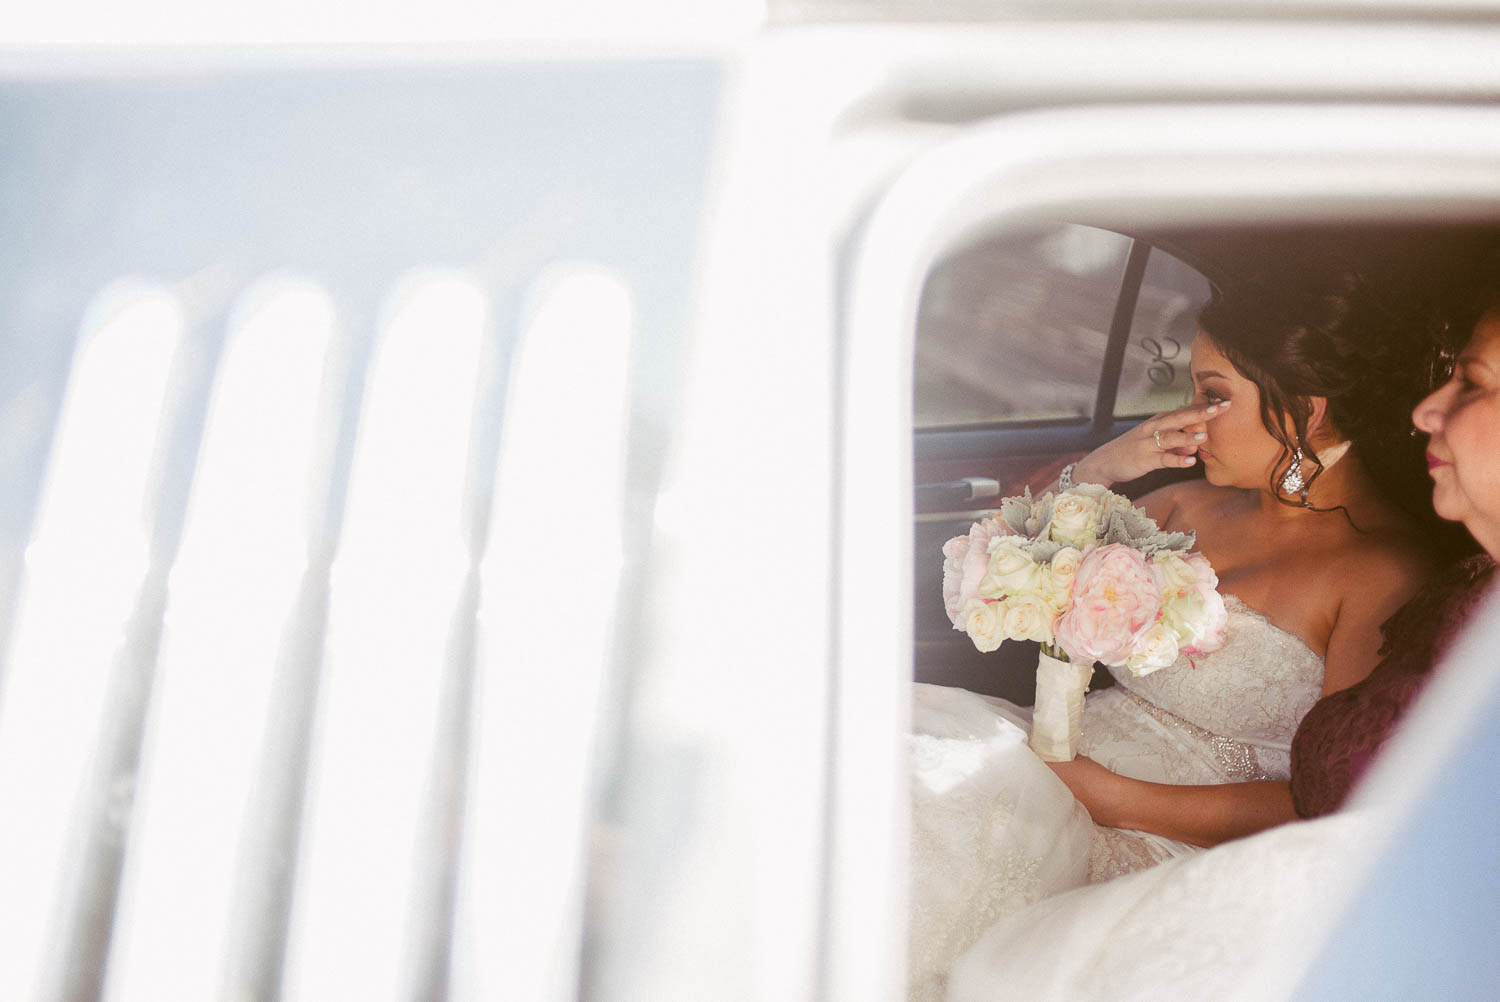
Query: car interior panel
{"type": "Point", "coordinates": [1021, 454]}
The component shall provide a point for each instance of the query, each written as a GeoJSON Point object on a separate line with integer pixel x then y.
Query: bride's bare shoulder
{"type": "Point", "coordinates": [1397, 558]}
{"type": "Point", "coordinates": [1181, 504]}
{"type": "Point", "coordinates": [1369, 580]}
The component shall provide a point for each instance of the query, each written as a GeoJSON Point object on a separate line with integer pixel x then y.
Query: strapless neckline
{"type": "Point", "coordinates": [1234, 604]}
{"type": "Point", "coordinates": [1254, 689]}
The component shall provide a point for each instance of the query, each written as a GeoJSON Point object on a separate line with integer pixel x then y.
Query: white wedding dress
{"type": "Point", "coordinates": [993, 829]}
{"type": "Point", "coordinates": [1239, 923]}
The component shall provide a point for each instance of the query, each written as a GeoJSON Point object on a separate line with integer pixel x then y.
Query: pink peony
{"type": "Point", "coordinates": [954, 552]}
{"type": "Point", "coordinates": [966, 560]}
{"type": "Point", "coordinates": [1115, 601]}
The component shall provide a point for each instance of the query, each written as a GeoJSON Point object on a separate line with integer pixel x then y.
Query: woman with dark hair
{"type": "Point", "coordinates": [1311, 554]}
{"type": "Point", "coordinates": [1212, 926]}
{"type": "Point", "coordinates": [1291, 511]}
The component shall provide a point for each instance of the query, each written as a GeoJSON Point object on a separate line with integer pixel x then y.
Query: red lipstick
{"type": "Point", "coordinates": [1433, 462]}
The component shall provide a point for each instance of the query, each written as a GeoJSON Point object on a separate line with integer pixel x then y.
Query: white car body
{"type": "Point", "coordinates": [641, 642]}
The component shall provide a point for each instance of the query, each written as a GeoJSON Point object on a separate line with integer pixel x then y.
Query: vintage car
{"type": "Point", "coordinates": [471, 514]}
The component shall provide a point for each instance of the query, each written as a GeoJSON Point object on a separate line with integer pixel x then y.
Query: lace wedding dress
{"type": "Point", "coordinates": [1235, 923]}
{"type": "Point", "coordinates": [993, 829]}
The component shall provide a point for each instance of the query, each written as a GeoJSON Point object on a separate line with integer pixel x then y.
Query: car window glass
{"type": "Point", "coordinates": [1155, 373]}
{"type": "Point", "coordinates": [1014, 328]}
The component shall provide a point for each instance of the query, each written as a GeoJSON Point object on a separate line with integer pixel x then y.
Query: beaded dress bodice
{"type": "Point", "coordinates": [1253, 692]}
{"type": "Point", "coordinates": [1223, 717]}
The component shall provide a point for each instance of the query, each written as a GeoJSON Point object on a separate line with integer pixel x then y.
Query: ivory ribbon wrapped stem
{"type": "Point", "coordinates": [1057, 717]}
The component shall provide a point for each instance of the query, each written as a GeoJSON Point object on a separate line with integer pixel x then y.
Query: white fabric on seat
{"type": "Point", "coordinates": [993, 828]}
{"type": "Point", "coordinates": [1191, 928]}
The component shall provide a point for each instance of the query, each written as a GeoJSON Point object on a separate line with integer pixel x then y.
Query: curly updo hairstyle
{"type": "Point", "coordinates": [1351, 335]}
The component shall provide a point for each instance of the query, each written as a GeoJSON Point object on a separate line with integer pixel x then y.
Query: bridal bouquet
{"type": "Point", "coordinates": [1092, 578]}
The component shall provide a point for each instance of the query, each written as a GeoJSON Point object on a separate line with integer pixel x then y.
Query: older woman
{"type": "Point", "coordinates": [1339, 737]}
{"type": "Point", "coordinates": [1198, 927]}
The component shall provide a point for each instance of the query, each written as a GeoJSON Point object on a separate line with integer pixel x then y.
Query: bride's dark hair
{"type": "Point", "coordinates": [1352, 336]}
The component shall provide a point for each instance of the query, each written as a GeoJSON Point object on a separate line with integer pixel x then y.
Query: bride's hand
{"type": "Point", "coordinates": [1104, 793]}
{"type": "Point", "coordinates": [1166, 440]}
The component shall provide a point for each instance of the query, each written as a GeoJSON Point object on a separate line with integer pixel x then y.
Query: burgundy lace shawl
{"type": "Point", "coordinates": [1339, 737]}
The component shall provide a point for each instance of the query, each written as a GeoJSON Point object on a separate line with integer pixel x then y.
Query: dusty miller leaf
{"type": "Point", "coordinates": [1040, 522]}
{"type": "Point", "coordinates": [1015, 511]}
{"type": "Point", "coordinates": [1043, 550]}
{"type": "Point", "coordinates": [1179, 542]}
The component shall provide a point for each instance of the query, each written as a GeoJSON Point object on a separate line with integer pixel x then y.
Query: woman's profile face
{"type": "Point", "coordinates": [1238, 452]}
{"type": "Point", "coordinates": [1462, 420]}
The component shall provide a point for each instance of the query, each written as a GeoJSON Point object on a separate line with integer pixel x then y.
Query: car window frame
{"type": "Point", "coordinates": [1126, 166]}
{"type": "Point", "coordinates": [1054, 436]}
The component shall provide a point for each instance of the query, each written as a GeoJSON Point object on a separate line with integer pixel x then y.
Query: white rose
{"type": "Point", "coordinates": [1012, 571]}
{"type": "Point", "coordinates": [1111, 502]}
{"type": "Point", "coordinates": [1186, 615]}
{"type": "Point", "coordinates": [982, 624]}
{"type": "Point", "coordinates": [1060, 575]}
{"type": "Point", "coordinates": [1175, 575]}
{"type": "Point", "coordinates": [1027, 617]}
{"type": "Point", "coordinates": [1157, 649]}
{"type": "Point", "coordinates": [1075, 518]}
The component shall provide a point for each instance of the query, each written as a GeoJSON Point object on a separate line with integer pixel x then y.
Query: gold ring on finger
{"type": "Point", "coordinates": [1157, 435]}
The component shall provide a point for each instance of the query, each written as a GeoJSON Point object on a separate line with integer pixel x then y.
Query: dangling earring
{"type": "Point", "coordinates": [1292, 482]}
{"type": "Point", "coordinates": [1296, 482]}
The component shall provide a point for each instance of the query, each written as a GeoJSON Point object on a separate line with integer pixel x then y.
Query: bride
{"type": "Point", "coordinates": [1298, 413]}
